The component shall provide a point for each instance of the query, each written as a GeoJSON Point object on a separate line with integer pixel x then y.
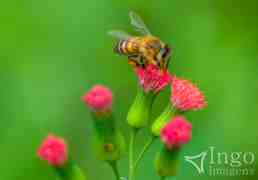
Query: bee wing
{"type": "Point", "coordinates": [121, 35]}
{"type": "Point", "coordinates": [138, 23]}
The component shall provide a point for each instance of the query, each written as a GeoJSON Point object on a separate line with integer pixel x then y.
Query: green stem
{"type": "Point", "coordinates": [145, 148]}
{"type": "Point", "coordinates": [162, 177]}
{"type": "Point", "coordinates": [131, 153]}
{"type": "Point", "coordinates": [70, 171]}
{"type": "Point", "coordinates": [113, 165]}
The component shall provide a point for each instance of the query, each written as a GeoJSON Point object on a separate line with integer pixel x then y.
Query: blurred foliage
{"type": "Point", "coordinates": [53, 51]}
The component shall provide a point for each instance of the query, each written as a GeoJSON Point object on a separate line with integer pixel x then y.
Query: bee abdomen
{"type": "Point", "coordinates": [120, 47]}
{"type": "Point", "coordinates": [126, 47]}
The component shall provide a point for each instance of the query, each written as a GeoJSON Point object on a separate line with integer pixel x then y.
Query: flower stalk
{"type": "Point", "coordinates": [113, 165]}
{"type": "Point", "coordinates": [144, 150]}
{"type": "Point", "coordinates": [131, 153]}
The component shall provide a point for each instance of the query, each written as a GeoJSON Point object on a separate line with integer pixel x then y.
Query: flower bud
{"type": "Point", "coordinates": [139, 113]}
{"type": "Point", "coordinates": [108, 143]}
{"type": "Point", "coordinates": [186, 96]}
{"type": "Point", "coordinates": [161, 121]}
{"type": "Point", "coordinates": [174, 134]}
{"type": "Point", "coordinates": [54, 150]}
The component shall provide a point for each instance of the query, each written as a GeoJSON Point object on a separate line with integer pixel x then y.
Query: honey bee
{"type": "Point", "coordinates": [142, 50]}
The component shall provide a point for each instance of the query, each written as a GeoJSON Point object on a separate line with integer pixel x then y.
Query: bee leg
{"type": "Point", "coordinates": [159, 64]}
{"type": "Point", "coordinates": [132, 63]}
{"type": "Point", "coordinates": [134, 60]}
{"type": "Point", "coordinates": [134, 56]}
{"type": "Point", "coordinates": [167, 63]}
{"type": "Point", "coordinates": [142, 62]}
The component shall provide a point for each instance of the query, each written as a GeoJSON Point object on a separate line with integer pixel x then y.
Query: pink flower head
{"type": "Point", "coordinates": [98, 98]}
{"type": "Point", "coordinates": [54, 150]}
{"type": "Point", "coordinates": [186, 96]}
{"type": "Point", "coordinates": [152, 78]}
{"type": "Point", "coordinates": [177, 131]}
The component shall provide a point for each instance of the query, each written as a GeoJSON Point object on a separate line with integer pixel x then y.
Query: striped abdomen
{"type": "Point", "coordinates": [128, 47]}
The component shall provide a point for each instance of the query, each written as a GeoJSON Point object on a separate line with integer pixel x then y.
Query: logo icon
{"type": "Point", "coordinates": [198, 165]}
{"type": "Point", "coordinates": [212, 162]}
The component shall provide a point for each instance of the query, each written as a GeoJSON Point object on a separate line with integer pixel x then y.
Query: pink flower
{"type": "Point", "coordinates": [186, 96]}
{"type": "Point", "coordinates": [54, 150]}
{"type": "Point", "coordinates": [152, 78]}
{"type": "Point", "coordinates": [176, 132]}
{"type": "Point", "coordinates": [98, 98]}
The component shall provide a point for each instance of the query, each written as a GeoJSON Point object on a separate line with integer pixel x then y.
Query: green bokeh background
{"type": "Point", "coordinates": [53, 51]}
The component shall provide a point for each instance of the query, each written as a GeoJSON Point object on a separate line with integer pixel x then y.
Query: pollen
{"type": "Point", "coordinates": [98, 98]}
{"type": "Point", "coordinates": [186, 96]}
{"type": "Point", "coordinates": [53, 150]}
{"type": "Point", "coordinates": [176, 132]}
{"type": "Point", "coordinates": [152, 78]}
